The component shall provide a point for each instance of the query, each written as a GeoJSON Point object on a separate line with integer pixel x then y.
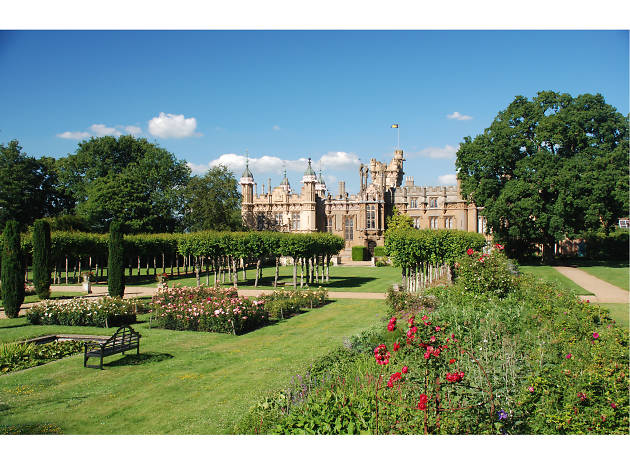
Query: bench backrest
{"type": "Point", "coordinates": [123, 336]}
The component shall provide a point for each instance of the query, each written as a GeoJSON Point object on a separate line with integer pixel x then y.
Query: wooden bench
{"type": "Point", "coordinates": [124, 339]}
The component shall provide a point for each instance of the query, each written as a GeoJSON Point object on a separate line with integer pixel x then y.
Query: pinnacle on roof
{"type": "Point", "coordinates": [321, 179]}
{"type": "Point", "coordinates": [309, 169]}
{"type": "Point", "coordinates": [285, 181]}
{"type": "Point", "coordinates": [247, 172]}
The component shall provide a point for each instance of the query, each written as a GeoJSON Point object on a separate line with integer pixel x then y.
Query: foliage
{"type": "Point", "coordinates": [379, 251]}
{"type": "Point", "coordinates": [12, 275]}
{"type": "Point", "coordinates": [213, 202]}
{"type": "Point", "coordinates": [18, 356]}
{"type": "Point", "coordinates": [115, 262]}
{"type": "Point", "coordinates": [207, 309]}
{"type": "Point", "coordinates": [103, 312]}
{"type": "Point", "coordinates": [359, 253]}
{"type": "Point", "coordinates": [607, 246]}
{"type": "Point", "coordinates": [547, 169]}
{"type": "Point", "coordinates": [41, 259]}
{"type": "Point", "coordinates": [28, 187]}
{"type": "Point", "coordinates": [126, 178]}
{"type": "Point", "coordinates": [490, 273]}
{"type": "Point", "coordinates": [283, 303]}
{"type": "Point", "coordinates": [399, 221]}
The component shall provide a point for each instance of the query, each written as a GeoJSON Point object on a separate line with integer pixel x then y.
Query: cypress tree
{"type": "Point", "coordinates": [41, 259]}
{"type": "Point", "coordinates": [12, 275]}
{"type": "Point", "coordinates": [115, 264]}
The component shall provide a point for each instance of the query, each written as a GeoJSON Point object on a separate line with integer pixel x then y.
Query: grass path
{"type": "Point", "coordinates": [183, 382]}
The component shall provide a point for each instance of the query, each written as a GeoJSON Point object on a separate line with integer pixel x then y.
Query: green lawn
{"type": "Point", "coordinates": [613, 272]}
{"type": "Point", "coordinates": [618, 312]}
{"type": "Point", "coordinates": [549, 274]}
{"type": "Point", "coordinates": [54, 295]}
{"type": "Point", "coordinates": [183, 382]}
{"type": "Point", "coordinates": [342, 278]}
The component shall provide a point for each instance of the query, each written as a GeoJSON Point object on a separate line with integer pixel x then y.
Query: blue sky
{"type": "Point", "coordinates": [208, 96]}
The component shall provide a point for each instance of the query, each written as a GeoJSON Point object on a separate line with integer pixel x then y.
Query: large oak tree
{"type": "Point", "coordinates": [548, 168]}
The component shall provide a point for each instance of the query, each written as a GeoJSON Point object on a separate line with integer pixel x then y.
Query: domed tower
{"type": "Point", "coordinates": [320, 186]}
{"type": "Point", "coordinates": [308, 198]}
{"type": "Point", "coordinates": [285, 185]}
{"type": "Point", "coordinates": [247, 190]}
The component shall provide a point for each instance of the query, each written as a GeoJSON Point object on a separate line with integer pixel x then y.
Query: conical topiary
{"type": "Point", "coordinates": [41, 259]}
{"type": "Point", "coordinates": [115, 264]}
{"type": "Point", "coordinates": [12, 275]}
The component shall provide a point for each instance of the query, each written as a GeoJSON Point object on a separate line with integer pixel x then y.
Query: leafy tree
{"type": "Point", "coordinates": [28, 187]}
{"type": "Point", "coordinates": [548, 168]}
{"type": "Point", "coordinates": [128, 179]}
{"type": "Point", "coordinates": [12, 274]}
{"type": "Point", "coordinates": [41, 259]}
{"type": "Point", "coordinates": [115, 262]}
{"type": "Point", "coordinates": [213, 202]}
{"type": "Point", "coordinates": [399, 221]}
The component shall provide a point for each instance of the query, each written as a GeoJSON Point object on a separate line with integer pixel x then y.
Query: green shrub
{"type": "Point", "coordinates": [379, 251]}
{"type": "Point", "coordinates": [282, 303]}
{"type": "Point", "coordinates": [18, 356]}
{"type": "Point", "coordinates": [12, 272]}
{"type": "Point", "coordinates": [103, 312]}
{"type": "Point", "coordinates": [115, 262]}
{"type": "Point", "coordinates": [41, 259]}
{"type": "Point", "coordinates": [480, 273]}
{"type": "Point", "coordinates": [359, 253]}
{"type": "Point", "coordinates": [613, 246]}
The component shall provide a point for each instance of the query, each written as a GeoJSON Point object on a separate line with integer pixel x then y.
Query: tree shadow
{"type": "Point", "coordinates": [139, 359]}
{"type": "Point", "coordinates": [16, 326]}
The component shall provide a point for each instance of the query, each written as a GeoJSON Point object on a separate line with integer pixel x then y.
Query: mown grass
{"type": "Point", "coordinates": [549, 274]}
{"type": "Point", "coordinates": [614, 272]}
{"type": "Point", "coordinates": [182, 383]}
{"type": "Point", "coordinates": [618, 312]}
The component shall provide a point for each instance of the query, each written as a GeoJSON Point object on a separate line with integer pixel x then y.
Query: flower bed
{"type": "Point", "coordinates": [15, 356]}
{"type": "Point", "coordinates": [207, 309]}
{"type": "Point", "coordinates": [282, 303]}
{"type": "Point", "coordinates": [102, 312]}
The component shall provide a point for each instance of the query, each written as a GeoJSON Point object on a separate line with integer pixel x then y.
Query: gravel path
{"type": "Point", "coordinates": [604, 292]}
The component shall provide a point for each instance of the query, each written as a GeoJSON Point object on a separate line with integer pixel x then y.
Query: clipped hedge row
{"type": "Point", "coordinates": [282, 303]}
{"type": "Point", "coordinates": [359, 253]}
{"type": "Point", "coordinates": [103, 312]}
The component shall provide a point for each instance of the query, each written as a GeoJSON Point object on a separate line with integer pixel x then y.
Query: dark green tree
{"type": "Point", "coordinates": [126, 178]}
{"type": "Point", "coordinates": [28, 187]}
{"type": "Point", "coordinates": [12, 274]}
{"type": "Point", "coordinates": [213, 202]}
{"type": "Point", "coordinates": [548, 168]}
{"type": "Point", "coordinates": [115, 261]}
{"type": "Point", "coordinates": [41, 259]}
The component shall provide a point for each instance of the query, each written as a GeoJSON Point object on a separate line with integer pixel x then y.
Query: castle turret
{"type": "Point", "coordinates": [308, 196]}
{"type": "Point", "coordinates": [247, 189]}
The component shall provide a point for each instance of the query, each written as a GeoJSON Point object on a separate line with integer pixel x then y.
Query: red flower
{"type": "Point", "coordinates": [432, 338]}
{"type": "Point", "coordinates": [421, 406]}
{"type": "Point", "coordinates": [405, 369]}
{"type": "Point", "coordinates": [390, 384]}
{"type": "Point", "coordinates": [396, 346]}
{"type": "Point", "coordinates": [470, 252]}
{"type": "Point", "coordinates": [452, 361]}
{"type": "Point", "coordinates": [595, 335]}
{"type": "Point", "coordinates": [499, 247]}
{"type": "Point", "coordinates": [381, 354]}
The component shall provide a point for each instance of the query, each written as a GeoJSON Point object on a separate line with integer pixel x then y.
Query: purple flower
{"type": "Point", "coordinates": [502, 414]}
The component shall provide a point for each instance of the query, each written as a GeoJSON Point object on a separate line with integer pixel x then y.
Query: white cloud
{"type": "Point", "coordinates": [100, 130]}
{"type": "Point", "coordinates": [167, 125]}
{"type": "Point", "coordinates": [339, 160]}
{"type": "Point", "coordinates": [448, 179]}
{"type": "Point", "coordinates": [74, 135]}
{"type": "Point", "coordinates": [133, 130]}
{"type": "Point", "coordinates": [276, 128]}
{"type": "Point", "coordinates": [458, 116]}
{"type": "Point", "coordinates": [446, 152]}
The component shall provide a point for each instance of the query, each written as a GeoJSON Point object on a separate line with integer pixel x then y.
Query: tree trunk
{"type": "Point", "coordinates": [235, 272]}
{"type": "Point", "coordinates": [275, 278]}
{"type": "Point", "coordinates": [257, 272]}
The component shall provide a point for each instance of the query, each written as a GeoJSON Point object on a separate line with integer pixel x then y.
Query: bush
{"type": "Point", "coordinates": [104, 312]}
{"type": "Point", "coordinates": [115, 262]}
{"type": "Point", "coordinates": [282, 303]}
{"type": "Point", "coordinates": [190, 309]}
{"type": "Point", "coordinates": [41, 259]}
{"type": "Point", "coordinates": [480, 273]}
{"type": "Point", "coordinates": [359, 253]}
{"type": "Point", "coordinates": [613, 246]}
{"type": "Point", "coordinates": [15, 356]}
{"type": "Point", "coordinates": [379, 251]}
{"type": "Point", "coordinates": [12, 272]}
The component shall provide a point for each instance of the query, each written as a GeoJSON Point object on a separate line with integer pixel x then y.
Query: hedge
{"type": "Point", "coordinates": [359, 253]}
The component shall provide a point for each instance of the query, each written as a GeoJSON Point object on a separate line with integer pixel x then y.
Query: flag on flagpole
{"type": "Point", "coordinates": [395, 126]}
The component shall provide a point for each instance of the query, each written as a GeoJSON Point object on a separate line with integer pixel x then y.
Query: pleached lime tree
{"type": "Point", "coordinates": [115, 261]}
{"type": "Point", "coordinates": [12, 274]}
{"type": "Point", "coordinates": [41, 259]}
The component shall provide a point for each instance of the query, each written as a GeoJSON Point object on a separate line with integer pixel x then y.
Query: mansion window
{"type": "Point", "coordinates": [330, 223]}
{"type": "Point", "coordinates": [416, 222]}
{"type": "Point", "coordinates": [260, 222]}
{"type": "Point", "coordinates": [349, 228]}
{"type": "Point", "coordinates": [433, 222]}
{"type": "Point", "coordinates": [277, 218]}
{"type": "Point", "coordinates": [481, 225]}
{"type": "Point", "coordinates": [295, 221]}
{"type": "Point", "coordinates": [449, 222]}
{"type": "Point", "coordinates": [433, 202]}
{"type": "Point", "coordinates": [413, 203]}
{"type": "Point", "coordinates": [370, 219]}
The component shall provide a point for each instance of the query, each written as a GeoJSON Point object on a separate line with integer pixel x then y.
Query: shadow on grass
{"type": "Point", "coordinates": [138, 359]}
{"type": "Point", "coordinates": [593, 263]}
{"type": "Point", "coordinates": [16, 326]}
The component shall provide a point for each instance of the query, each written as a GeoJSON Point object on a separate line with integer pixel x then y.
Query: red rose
{"type": "Point", "coordinates": [405, 369]}
{"type": "Point", "coordinates": [470, 252]}
{"type": "Point", "coordinates": [452, 361]}
{"type": "Point", "coordinates": [396, 346]}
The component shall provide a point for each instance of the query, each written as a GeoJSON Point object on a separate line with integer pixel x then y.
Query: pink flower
{"type": "Point", "coordinates": [613, 405]}
{"type": "Point", "coordinates": [396, 346]}
{"type": "Point", "coordinates": [437, 328]}
{"type": "Point", "coordinates": [470, 252]}
{"type": "Point", "coordinates": [569, 356]}
{"type": "Point", "coordinates": [405, 369]}
{"type": "Point", "coordinates": [531, 389]}
{"type": "Point", "coordinates": [595, 335]}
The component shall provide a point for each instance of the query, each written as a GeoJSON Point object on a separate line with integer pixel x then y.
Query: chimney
{"type": "Point", "coordinates": [342, 188]}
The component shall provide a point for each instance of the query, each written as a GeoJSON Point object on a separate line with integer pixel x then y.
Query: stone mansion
{"type": "Point", "coordinates": [360, 219]}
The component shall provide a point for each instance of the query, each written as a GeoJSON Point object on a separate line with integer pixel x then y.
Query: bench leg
{"type": "Point", "coordinates": [101, 362]}
{"type": "Point", "coordinates": [138, 351]}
